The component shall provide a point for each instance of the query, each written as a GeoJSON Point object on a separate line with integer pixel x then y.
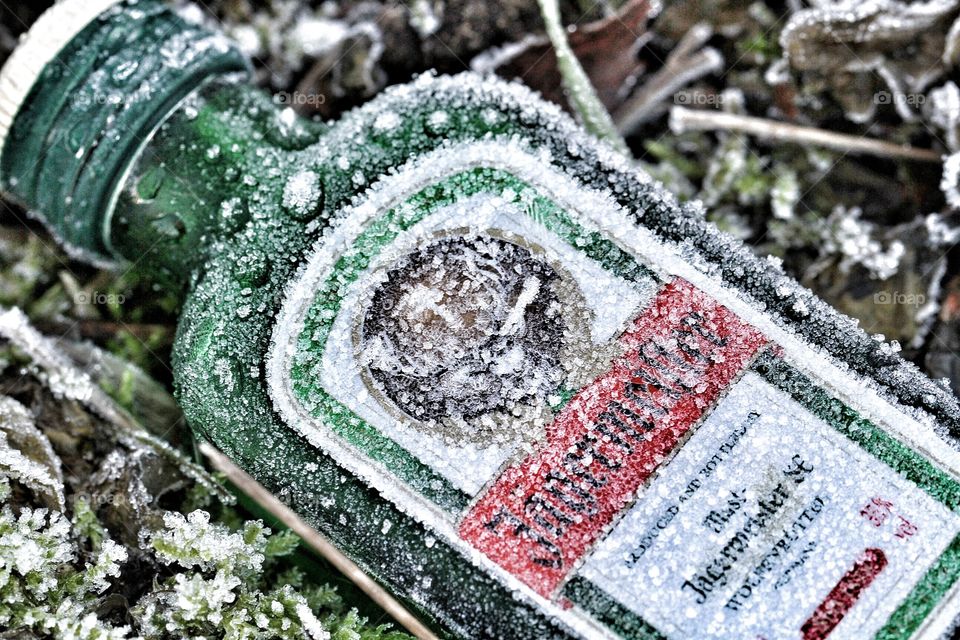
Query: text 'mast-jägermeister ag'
{"type": "Point", "coordinates": [510, 376]}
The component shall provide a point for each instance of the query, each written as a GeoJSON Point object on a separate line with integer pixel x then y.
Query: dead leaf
{"type": "Point", "coordinates": [605, 48]}
{"type": "Point", "coordinates": [851, 44]}
{"type": "Point", "coordinates": [26, 455]}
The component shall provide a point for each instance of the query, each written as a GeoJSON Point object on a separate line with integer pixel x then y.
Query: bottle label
{"type": "Point", "coordinates": [594, 420]}
{"type": "Point", "coordinates": [770, 507]}
{"type": "Point", "coordinates": [539, 517]}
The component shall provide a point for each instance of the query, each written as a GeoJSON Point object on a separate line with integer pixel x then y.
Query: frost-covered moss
{"type": "Point", "coordinates": [218, 588]}
{"type": "Point", "coordinates": [44, 588]}
{"type": "Point", "coordinates": [66, 574]}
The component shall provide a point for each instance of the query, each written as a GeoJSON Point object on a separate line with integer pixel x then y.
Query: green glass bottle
{"type": "Point", "coordinates": [504, 371]}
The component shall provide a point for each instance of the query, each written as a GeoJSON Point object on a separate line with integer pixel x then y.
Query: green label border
{"type": "Point", "coordinates": [379, 233]}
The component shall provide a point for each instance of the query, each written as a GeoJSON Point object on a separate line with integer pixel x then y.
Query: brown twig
{"type": "Point", "coordinates": [243, 481]}
{"type": "Point", "coordinates": [106, 329]}
{"type": "Point", "coordinates": [687, 62]}
{"type": "Point", "coordinates": [683, 119]}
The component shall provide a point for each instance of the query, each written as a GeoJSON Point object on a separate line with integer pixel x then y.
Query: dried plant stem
{"type": "Point", "coordinates": [243, 481]}
{"type": "Point", "coordinates": [583, 98]}
{"type": "Point", "coordinates": [683, 119]}
{"type": "Point", "coordinates": [690, 60]}
{"type": "Point", "coordinates": [103, 329]}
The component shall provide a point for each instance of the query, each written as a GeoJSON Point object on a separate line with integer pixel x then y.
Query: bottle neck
{"type": "Point", "coordinates": [199, 178]}
{"type": "Point", "coordinates": [74, 115]}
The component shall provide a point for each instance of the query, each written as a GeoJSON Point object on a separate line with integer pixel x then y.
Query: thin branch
{"type": "Point", "coordinates": [104, 329]}
{"type": "Point", "coordinates": [583, 98]}
{"type": "Point", "coordinates": [683, 119]}
{"type": "Point", "coordinates": [687, 62]}
{"type": "Point", "coordinates": [243, 481]}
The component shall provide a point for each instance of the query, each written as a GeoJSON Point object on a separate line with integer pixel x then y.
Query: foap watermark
{"type": "Point", "coordinates": [98, 499]}
{"type": "Point", "coordinates": [699, 99]}
{"type": "Point", "coordinates": [99, 297]}
{"type": "Point", "coordinates": [299, 99]}
{"type": "Point", "coordinates": [88, 99]}
{"type": "Point", "coordinates": [897, 99]}
{"type": "Point", "coordinates": [899, 298]}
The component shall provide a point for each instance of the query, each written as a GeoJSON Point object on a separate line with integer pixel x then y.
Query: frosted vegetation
{"type": "Point", "coordinates": [90, 554]}
{"type": "Point", "coordinates": [59, 568]}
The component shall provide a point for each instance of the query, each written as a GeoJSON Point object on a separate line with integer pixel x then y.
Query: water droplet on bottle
{"type": "Point", "coordinates": [149, 184]}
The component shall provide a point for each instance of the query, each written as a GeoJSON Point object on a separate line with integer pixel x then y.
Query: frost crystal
{"type": "Point", "coordinates": [944, 111]}
{"type": "Point", "coordinates": [386, 121]}
{"type": "Point", "coordinates": [302, 192]}
{"type": "Point", "coordinates": [950, 183]}
{"type": "Point", "coordinates": [850, 237]}
{"type": "Point", "coordinates": [193, 541]}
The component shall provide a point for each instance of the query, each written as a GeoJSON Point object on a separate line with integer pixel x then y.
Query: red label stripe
{"type": "Point", "coordinates": [844, 595]}
{"type": "Point", "coordinates": [543, 514]}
